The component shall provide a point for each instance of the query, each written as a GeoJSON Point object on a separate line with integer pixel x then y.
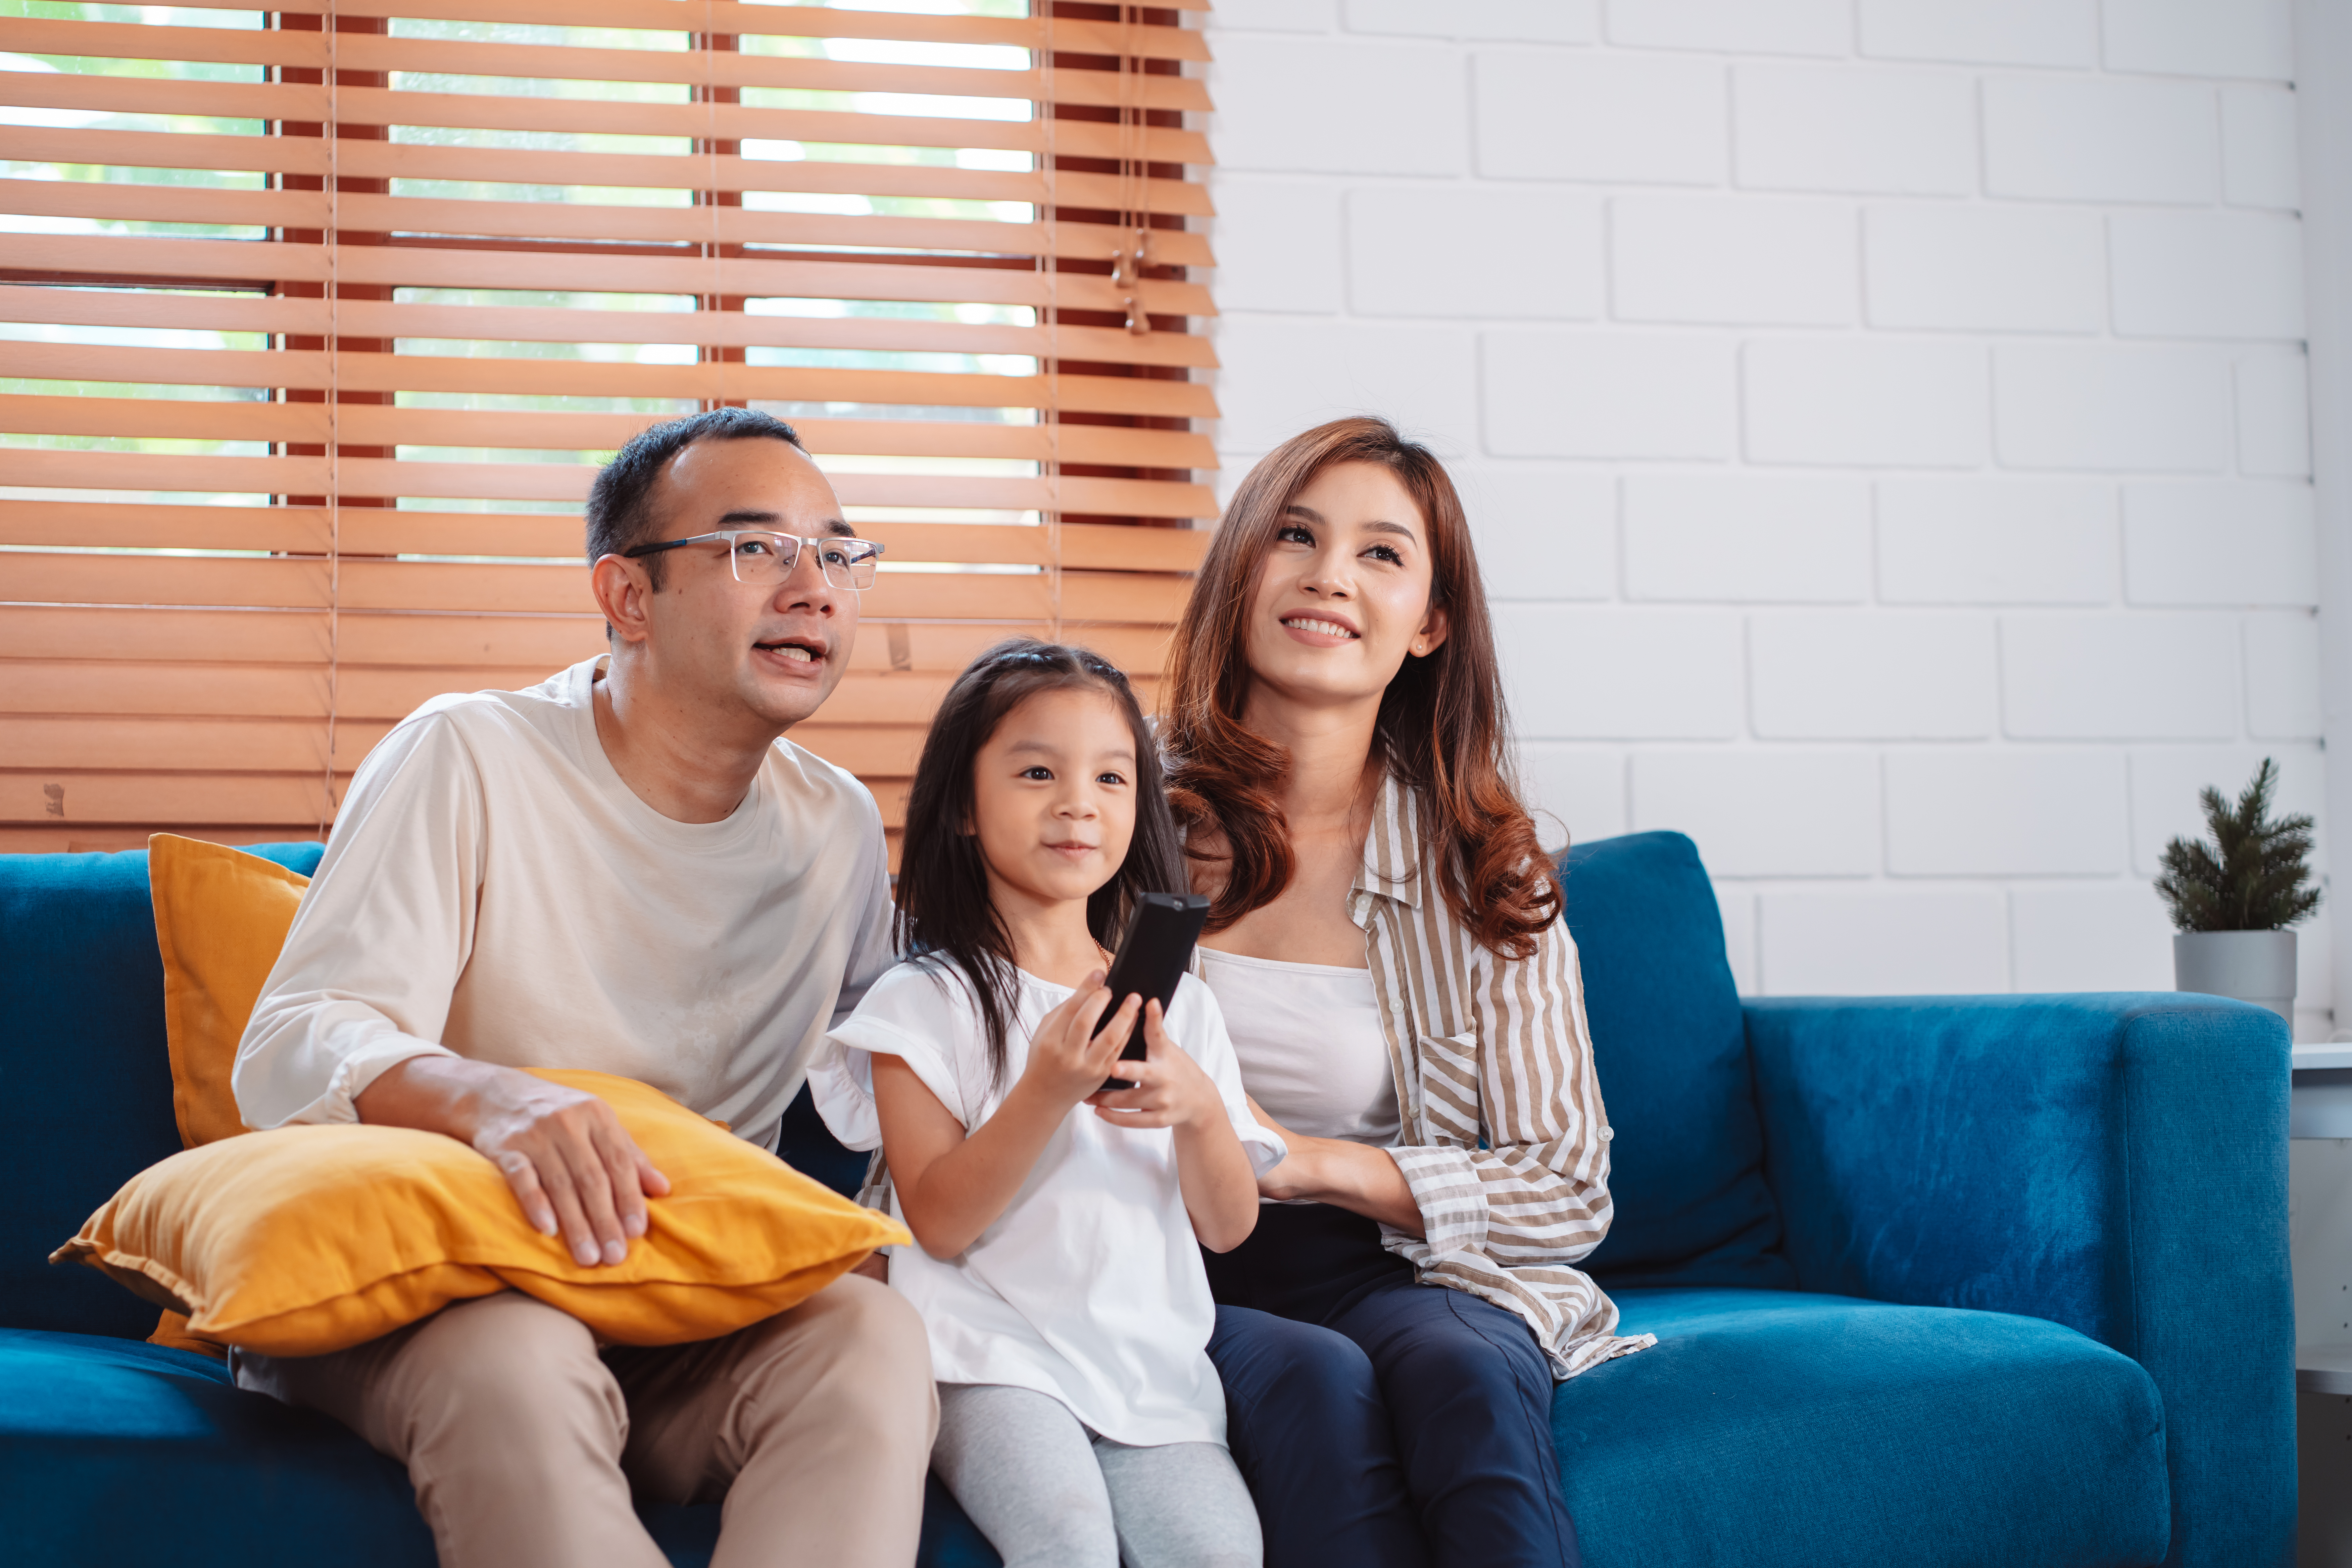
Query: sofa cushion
{"type": "Point", "coordinates": [85, 1085]}
{"type": "Point", "coordinates": [123, 1453]}
{"type": "Point", "coordinates": [1773, 1427]}
{"type": "Point", "coordinates": [119, 1455]}
{"type": "Point", "coordinates": [1671, 1048]}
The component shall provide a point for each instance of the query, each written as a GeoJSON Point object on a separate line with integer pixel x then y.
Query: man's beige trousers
{"type": "Point", "coordinates": [525, 1445]}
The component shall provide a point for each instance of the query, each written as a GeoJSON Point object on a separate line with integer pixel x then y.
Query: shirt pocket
{"type": "Point", "coordinates": [1448, 1066]}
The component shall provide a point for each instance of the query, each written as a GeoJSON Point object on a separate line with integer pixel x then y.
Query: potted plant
{"type": "Point", "coordinates": [2233, 898]}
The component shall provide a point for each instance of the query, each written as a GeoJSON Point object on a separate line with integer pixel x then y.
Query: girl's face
{"type": "Point", "coordinates": [1054, 795]}
{"type": "Point", "coordinates": [1342, 597]}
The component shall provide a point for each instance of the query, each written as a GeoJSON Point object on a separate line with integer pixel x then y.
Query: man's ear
{"type": "Point", "coordinates": [622, 587]}
{"type": "Point", "coordinates": [1432, 636]}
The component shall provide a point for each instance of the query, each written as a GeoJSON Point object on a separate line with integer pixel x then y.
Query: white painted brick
{"type": "Point", "coordinates": [1881, 944]}
{"type": "Point", "coordinates": [1277, 244]}
{"type": "Point", "coordinates": [1830, 128]}
{"type": "Point", "coordinates": [2116, 937]}
{"type": "Point", "coordinates": [2156, 410]}
{"type": "Point", "coordinates": [2220, 543]}
{"type": "Point", "coordinates": [2207, 275]}
{"type": "Point", "coordinates": [1436, 250]}
{"type": "Point", "coordinates": [1996, 541]}
{"type": "Point", "coordinates": [1634, 119]}
{"type": "Point", "coordinates": [2275, 413]}
{"type": "Point", "coordinates": [1577, 793]}
{"type": "Point", "coordinates": [1974, 268]}
{"type": "Point", "coordinates": [2164, 782]}
{"type": "Point", "coordinates": [1747, 537]}
{"type": "Point", "coordinates": [2261, 164]}
{"type": "Point", "coordinates": [1608, 394]}
{"type": "Point", "coordinates": [1667, 260]}
{"type": "Point", "coordinates": [2017, 811]}
{"type": "Point", "coordinates": [1574, 673]}
{"type": "Point", "coordinates": [1527, 21]}
{"type": "Point", "coordinates": [2314, 989]}
{"type": "Point", "coordinates": [2119, 677]}
{"type": "Point", "coordinates": [1280, 377]}
{"type": "Point", "coordinates": [1841, 676]}
{"type": "Point", "coordinates": [1808, 812]}
{"type": "Point", "coordinates": [1738, 907]}
{"type": "Point", "coordinates": [2201, 38]}
{"type": "Point", "coordinates": [1733, 26]}
{"type": "Point", "coordinates": [1337, 106]}
{"type": "Point", "coordinates": [1276, 15]}
{"type": "Point", "coordinates": [1543, 531]}
{"type": "Point", "coordinates": [2086, 139]}
{"type": "Point", "coordinates": [1983, 32]}
{"type": "Point", "coordinates": [2283, 678]}
{"type": "Point", "coordinates": [1863, 401]}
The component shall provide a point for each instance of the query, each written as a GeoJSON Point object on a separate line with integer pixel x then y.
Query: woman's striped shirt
{"type": "Point", "coordinates": [1505, 1141]}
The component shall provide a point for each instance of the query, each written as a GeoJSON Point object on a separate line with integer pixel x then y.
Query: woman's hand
{"type": "Point", "coordinates": [1353, 1176]}
{"type": "Point", "coordinates": [1071, 1053]}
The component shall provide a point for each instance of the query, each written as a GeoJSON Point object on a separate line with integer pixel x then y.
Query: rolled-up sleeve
{"type": "Point", "coordinates": [1538, 1192]}
{"type": "Point", "coordinates": [364, 980]}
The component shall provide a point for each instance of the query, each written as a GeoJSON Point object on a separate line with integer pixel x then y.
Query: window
{"type": "Point", "coordinates": [314, 325]}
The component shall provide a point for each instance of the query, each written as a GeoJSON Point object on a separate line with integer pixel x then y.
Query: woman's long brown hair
{"type": "Point", "coordinates": [1441, 728]}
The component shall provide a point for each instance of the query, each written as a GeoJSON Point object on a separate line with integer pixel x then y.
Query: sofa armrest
{"type": "Point", "coordinates": [2116, 1164]}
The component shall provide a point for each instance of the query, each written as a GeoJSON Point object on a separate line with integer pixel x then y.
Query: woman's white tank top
{"type": "Point", "coordinates": [1310, 1043]}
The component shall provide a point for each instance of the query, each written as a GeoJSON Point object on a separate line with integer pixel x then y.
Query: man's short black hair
{"type": "Point", "coordinates": [619, 520]}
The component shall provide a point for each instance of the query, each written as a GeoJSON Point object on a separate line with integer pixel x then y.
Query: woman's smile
{"type": "Point", "coordinates": [1319, 628]}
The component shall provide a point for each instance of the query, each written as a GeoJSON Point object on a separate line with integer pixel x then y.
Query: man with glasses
{"type": "Point", "coordinates": [625, 867]}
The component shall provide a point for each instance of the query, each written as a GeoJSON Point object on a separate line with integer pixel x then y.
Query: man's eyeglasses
{"type": "Point", "coordinates": [762, 559]}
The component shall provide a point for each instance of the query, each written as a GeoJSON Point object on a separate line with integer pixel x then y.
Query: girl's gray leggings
{"type": "Point", "coordinates": [1048, 1493]}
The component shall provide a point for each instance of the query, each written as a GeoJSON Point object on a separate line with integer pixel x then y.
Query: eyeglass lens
{"type": "Point", "coordinates": [764, 558]}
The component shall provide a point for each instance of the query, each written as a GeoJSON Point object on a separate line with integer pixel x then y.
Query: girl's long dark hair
{"type": "Point", "coordinates": [1442, 727]}
{"type": "Point", "coordinates": [944, 909]}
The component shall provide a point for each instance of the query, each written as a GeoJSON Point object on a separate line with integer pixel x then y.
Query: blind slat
{"type": "Point", "coordinates": [377, 531]}
{"type": "Point", "coordinates": [161, 637]}
{"type": "Point", "coordinates": [735, 68]}
{"type": "Point", "coordinates": [423, 267]}
{"type": "Point", "coordinates": [716, 383]}
{"type": "Point", "coordinates": [748, 226]}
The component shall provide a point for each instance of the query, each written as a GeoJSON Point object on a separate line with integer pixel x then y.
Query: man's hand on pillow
{"type": "Point", "coordinates": [571, 1163]}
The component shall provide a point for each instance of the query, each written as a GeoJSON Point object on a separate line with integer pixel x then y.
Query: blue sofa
{"type": "Point", "coordinates": [1970, 1280]}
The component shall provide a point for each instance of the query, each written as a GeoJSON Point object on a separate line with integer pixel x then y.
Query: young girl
{"type": "Point", "coordinates": [1080, 1421]}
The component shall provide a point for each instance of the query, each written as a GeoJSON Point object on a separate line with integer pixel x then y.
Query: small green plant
{"type": "Point", "coordinates": [2251, 875]}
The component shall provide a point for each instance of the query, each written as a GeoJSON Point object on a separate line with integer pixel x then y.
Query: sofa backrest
{"type": "Point", "coordinates": [1669, 1044]}
{"type": "Point", "coordinates": [85, 1085]}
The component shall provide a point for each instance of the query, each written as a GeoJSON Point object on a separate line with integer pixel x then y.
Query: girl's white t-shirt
{"type": "Point", "coordinates": [1088, 1288]}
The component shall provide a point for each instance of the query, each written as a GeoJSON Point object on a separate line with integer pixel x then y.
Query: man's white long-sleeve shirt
{"type": "Point", "coordinates": [494, 891]}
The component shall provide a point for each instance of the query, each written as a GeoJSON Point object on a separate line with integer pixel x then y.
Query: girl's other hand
{"type": "Point", "coordinates": [1074, 1049]}
{"type": "Point", "coordinates": [1171, 1090]}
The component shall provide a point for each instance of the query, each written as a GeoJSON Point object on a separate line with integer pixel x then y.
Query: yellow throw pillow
{"type": "Point", "coordinates": [309, 1239]}
{"type": "Point", "coordinates": [221, 917]}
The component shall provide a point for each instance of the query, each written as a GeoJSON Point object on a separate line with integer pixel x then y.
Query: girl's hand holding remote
{"type": "Point", "coordinates": [1075, 1047]}
{"type": "Point", "coordinates": [1171, 1090]}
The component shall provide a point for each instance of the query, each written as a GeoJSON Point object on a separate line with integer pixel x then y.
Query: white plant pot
{"type": "Point", "coordinates": [2255, 966]}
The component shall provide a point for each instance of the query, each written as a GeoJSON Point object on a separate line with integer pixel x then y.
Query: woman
{"type": "Point", "coordinates": [1383, 941]}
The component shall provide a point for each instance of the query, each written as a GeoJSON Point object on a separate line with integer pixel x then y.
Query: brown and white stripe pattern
{"type": "Point", "coordinates": [1495, 1051]}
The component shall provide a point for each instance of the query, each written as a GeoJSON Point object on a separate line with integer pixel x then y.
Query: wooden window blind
{"type": "Point", "coordinates": [314, 325]}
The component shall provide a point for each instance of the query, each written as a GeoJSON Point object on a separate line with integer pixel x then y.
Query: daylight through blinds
{"type": "Point", "coordinates": [314, 325]}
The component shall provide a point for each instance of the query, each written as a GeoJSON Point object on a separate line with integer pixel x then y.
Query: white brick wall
{"type": "Point", "coordinates": [1884, 424]}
